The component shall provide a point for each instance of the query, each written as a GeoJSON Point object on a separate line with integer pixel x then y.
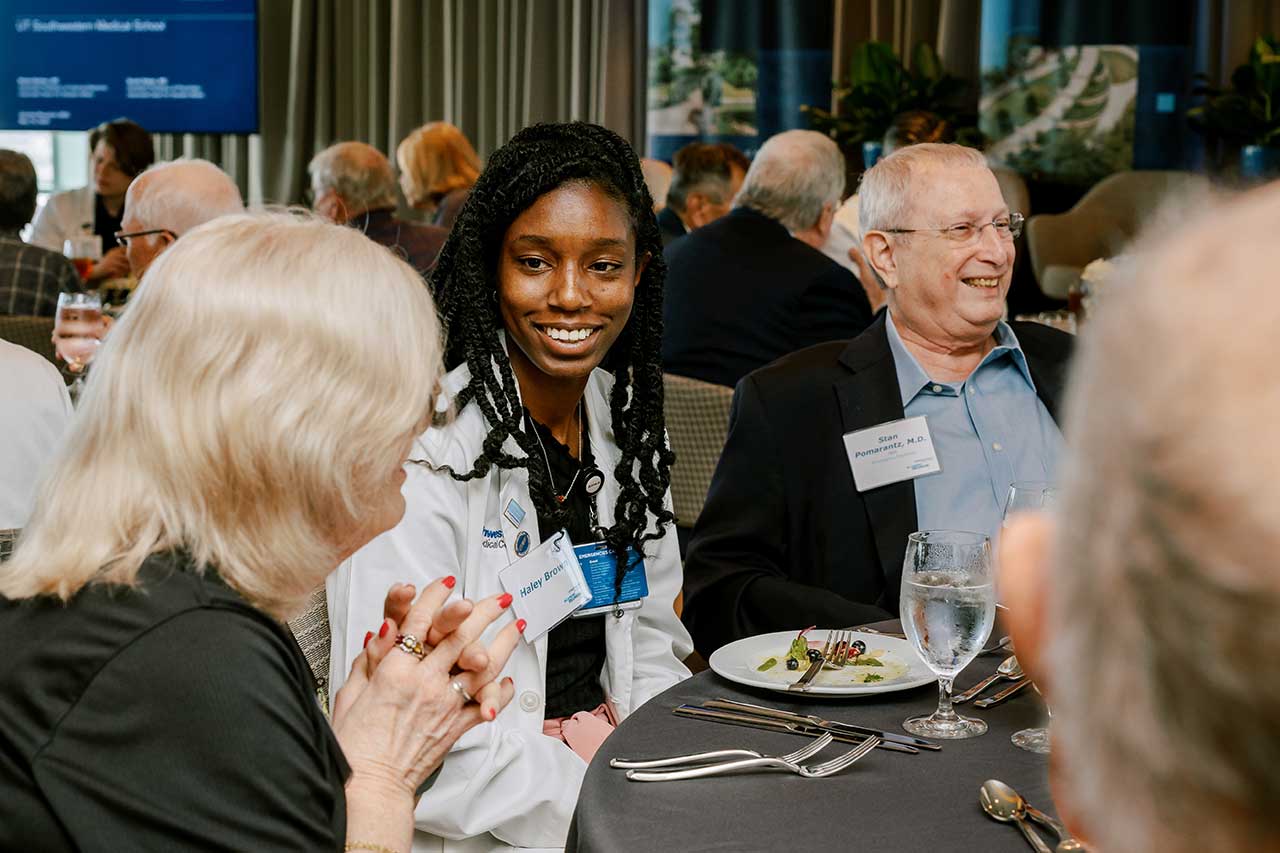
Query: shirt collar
{"type": "Point", "coordinates": [912, 377]}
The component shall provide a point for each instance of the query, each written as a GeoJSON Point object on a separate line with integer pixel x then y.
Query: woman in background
{"type": "Point", "coordinates": [551, 290]}
{"type": "Point", "coordinates": [243, 432]}
{"type": "Point", "coordinates": [438, 167]}
{"type": "Point", "coordinates": [118, 150]}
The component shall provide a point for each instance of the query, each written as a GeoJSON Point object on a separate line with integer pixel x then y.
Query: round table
{"type": "Point", "coordinates": [888, 801]}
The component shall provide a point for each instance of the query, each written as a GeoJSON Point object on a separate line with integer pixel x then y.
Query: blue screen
{"type": "Point", "coordinates": [173, 66]}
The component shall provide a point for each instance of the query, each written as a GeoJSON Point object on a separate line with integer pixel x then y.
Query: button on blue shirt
{"type": "Point", "coordinates": [989, 431]}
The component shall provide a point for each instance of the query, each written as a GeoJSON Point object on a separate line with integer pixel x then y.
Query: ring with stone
{"type": "Point", "coordinates": [461, 691]}
{"type": "Point", "coordinates": [410, 645]}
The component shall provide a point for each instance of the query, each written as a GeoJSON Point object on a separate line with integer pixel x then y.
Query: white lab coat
{"type": "Point", "coordinates": [504, 783]}
{"type": "Point", "coordinates": [65, 214]}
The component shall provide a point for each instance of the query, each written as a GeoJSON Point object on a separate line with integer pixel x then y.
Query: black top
{"type": "Point", "coordinates": [104, 224]}
{"type": "Point", "coordinates": [670, 225]}
{"type": "Point", "coordinates": [575, 647]}
{"type": "Point", "coordinates": [741, 292]}
{"type": "Point", "coordinates": [785, 538]}
{"type": "Point", "coordinates": [417, 244]}
{"type": "Point", "coordinates": [168, 716]}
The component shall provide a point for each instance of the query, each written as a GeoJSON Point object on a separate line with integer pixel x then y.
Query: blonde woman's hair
{"type": "Point", "coordinates": [436, 159]}
{"type": "Point", "coordinates": [249, 409]}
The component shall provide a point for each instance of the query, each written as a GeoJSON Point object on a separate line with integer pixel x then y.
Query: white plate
{"type": "Point", "coordinates": [738, 661]}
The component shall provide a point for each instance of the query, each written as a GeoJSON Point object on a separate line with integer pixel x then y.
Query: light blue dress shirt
{"type": "Point", "coordinates": [989, 431]}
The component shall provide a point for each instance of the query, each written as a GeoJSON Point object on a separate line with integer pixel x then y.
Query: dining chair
{"type": "Point", "coordinates": [697, 424]}
{"type": "Point", "coordinates": [34, 333]}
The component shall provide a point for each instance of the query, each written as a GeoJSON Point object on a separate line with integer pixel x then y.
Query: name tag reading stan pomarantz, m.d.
{"type": "Point", "coordinates": [891, 452]}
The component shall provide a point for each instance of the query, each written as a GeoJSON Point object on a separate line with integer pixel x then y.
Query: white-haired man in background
{"type": "Point", "coordinates": [168, 200]}
{"type": "Point", "coordinates": [751, 286]}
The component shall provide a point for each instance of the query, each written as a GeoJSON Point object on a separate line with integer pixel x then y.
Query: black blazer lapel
{"type": "Point", "coordinates": [868, 397]}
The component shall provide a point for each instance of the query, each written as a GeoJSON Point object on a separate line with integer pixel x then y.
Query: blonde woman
{"type": "Point", "coordinates": [438, 167]}
{"type": "Point", "coordinates": [243, 433]}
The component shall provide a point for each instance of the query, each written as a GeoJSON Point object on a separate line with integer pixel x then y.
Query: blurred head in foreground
{"type": "Point", "coordinates": [1150, 611]}
{"type": "Point", "coordinates": [253, 407]}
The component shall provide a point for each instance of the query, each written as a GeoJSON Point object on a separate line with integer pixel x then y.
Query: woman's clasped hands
{"type": "Point", "coordinates": [423, 680]}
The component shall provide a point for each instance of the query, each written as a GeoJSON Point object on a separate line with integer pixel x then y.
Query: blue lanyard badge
{"type": "Point", "coordinates": [599, 566]}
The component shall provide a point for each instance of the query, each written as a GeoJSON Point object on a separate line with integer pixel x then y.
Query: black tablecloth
{"type": "Point", "coordinates": [886, 802]}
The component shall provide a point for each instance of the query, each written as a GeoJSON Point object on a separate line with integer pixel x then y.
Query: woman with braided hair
{"type": "Point", "coordinates": [550, 287]}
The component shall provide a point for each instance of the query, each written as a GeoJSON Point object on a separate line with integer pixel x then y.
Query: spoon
{"type": "Point", "coordinates": [1009, 668]}
{"type": "Point", "coordinates": [1040, 817]}
{"type": "Point", "coordinates": [996, 802]}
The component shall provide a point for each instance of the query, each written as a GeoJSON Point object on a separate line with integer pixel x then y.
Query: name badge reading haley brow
{"type": "Point", "coordinates": [891, 452]}
{"type": "Point", "coordinates": [546, 585]}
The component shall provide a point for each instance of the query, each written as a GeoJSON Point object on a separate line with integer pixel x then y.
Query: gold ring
{"type": "Point", "coordinates": [411, 645]}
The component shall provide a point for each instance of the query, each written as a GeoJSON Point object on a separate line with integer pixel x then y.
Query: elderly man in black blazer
{"type": "Point", "coordinates": [799, 528]}
{"type": "Point", "coordinates": [753, 286]}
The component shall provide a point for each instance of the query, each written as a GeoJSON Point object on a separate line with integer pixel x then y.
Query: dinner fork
{"type": "Point", "coordinates": [816, 771]}
{"type": "Point", "coordinates": [834, 653]}
{"type": "Point", "coordinates": [813, 748]}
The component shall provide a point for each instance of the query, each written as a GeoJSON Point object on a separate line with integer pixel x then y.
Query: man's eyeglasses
{"type": "Point", "coordinates": [966, 233]}
{"type": "Point", "coordinates": [123, 239]}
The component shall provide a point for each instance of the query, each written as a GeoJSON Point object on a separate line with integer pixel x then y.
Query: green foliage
{"type": "Point", "coordinates": [879, 88]}
{"type": "Point", "coordinates": [1248, 112]}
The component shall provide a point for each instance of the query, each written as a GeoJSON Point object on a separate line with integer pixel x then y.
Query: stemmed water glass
{"type": "Point", "coordinates": [948, 606]}
{"type": "Point", "coordinates": [1030, 496]}
{"type": "Point", "coordinates": [84, 250]}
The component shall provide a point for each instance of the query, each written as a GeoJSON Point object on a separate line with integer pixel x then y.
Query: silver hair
{"type": "Point", "coordinates": [886, 192]}
{"type": "Point", "coordinates": [792, 177]}
{"type": "Point", "coordinates": [1164, 646]}
{"type": "Point", "coordinates": [182, 194]}
{"type": "Point", "coordinates": [358, 172]}
{"type": "Point", "coordinates": [17, 189]}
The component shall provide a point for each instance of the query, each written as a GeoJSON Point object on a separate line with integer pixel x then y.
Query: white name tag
{"type": "Point", "coordinates": [891, 452]}
{"type": "Point", "coordinates": [546, 585]}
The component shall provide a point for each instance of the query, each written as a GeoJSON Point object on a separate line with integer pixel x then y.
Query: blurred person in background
{"type": "Point", "coordinates": [31, 277]}
{"type": "Point", "coordinates": [705, 177]}
{"type": "Point", "coordinates": [33, 418]}
{"type": "Point", "coordinates": [438, 167]}
{"type": "Point", "coordinates": [119, 151]}
{"type": "Point", "coordinates": [244, 432]}
{"type": "Point", "coordinates": [551, 295]}
{"type": "Point", "coordinates": [170, 199]}
{"type": "Point", "coordinates": [753, 286]}
{"type": "Point", "coordinates": [657, 177]}
{"type": "Point", "coordinates": [352, 184]}
{"type": "Point", "coordinates": [1144, 605]}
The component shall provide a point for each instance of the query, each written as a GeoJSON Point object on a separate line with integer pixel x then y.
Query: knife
{"type": "Point", "coordinates": [752, 722]}
{"type": "Point", "coordinates": [825, 725]}
{"type": "Point", "coordinates": [802, 684]}
{"type": "Point", "coordinates": [1002, 695]}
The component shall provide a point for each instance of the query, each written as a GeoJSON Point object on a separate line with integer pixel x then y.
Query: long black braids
{"type": "Point", "coordinates": [534, 162]}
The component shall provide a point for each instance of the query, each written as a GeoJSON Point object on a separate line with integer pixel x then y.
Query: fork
{"type": "Point", "coordinates": [813, 748]}
{"type": "Point", "coordinates": [816, 771]}
{"type": "Point", "coordinates": [834, 653]}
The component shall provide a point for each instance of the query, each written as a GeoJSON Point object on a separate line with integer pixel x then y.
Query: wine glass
{"type": "Point", "coordinates": [78, 328]}
{"type": "Point", "coordinates": [1030, 496]}
{"type": "Point", "coordinates": [84, 250]}
{"type": "Point", "coordinates": [948, 605]}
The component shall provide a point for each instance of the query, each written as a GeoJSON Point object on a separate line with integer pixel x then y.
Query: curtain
{"type": "Point", "coordinates": [953, 27]}
{"type": "Point", "coordinates": [1225, 31]}
{"type": "Point", "coordinates": [372, 70]}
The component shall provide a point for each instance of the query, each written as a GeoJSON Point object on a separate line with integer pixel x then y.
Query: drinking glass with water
{"type": "Point", "coordinates": [948, 606]}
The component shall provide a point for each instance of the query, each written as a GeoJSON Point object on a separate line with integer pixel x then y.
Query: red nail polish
{"type": "Point", "coordinates": [508, 680]}
{"type": "Point", "coordinates": [505, 601]}
{"type": "Point", "coordinates": [449, 581]}
{"type": "Point", "coordinates": [493, 713]}
{"type": "Point", "coordinates": [382, 632]}
{"type": "Point", "coordinates": [368, 635]}
{"type": "Point", "coordinates": [520, 624]}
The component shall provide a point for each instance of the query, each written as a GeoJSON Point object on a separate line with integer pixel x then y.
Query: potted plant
{"type": "Point", "coordinates": [1248, 112]}
{"type": "Point", "coordinates": [879, 87]}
